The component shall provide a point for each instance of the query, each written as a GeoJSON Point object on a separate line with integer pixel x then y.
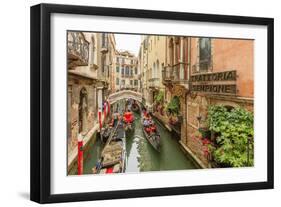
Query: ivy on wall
{"type": "Point", "coordinates": [159, 97]}
{"type": "Point", "coordinates": [234, 136]}
{"type": "Point", "coordinates": [174, 105]}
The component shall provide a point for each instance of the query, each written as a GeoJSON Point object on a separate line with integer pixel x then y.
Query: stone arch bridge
{"type": "Point", "coordinates": [124, 94]}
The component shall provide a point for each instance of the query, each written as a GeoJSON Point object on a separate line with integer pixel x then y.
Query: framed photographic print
{"type": "Point", "coordinates": [133, 103]}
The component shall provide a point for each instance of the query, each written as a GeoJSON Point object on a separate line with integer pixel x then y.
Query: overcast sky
{"type": "Point", "coordinates": [128, 42]}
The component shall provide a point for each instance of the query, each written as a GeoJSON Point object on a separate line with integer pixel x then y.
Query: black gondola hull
{"type": "Point", "coordinates": [152, 140]}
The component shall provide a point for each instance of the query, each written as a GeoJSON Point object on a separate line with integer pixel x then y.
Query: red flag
{"type": "Point", "coordinates": [100, 119]}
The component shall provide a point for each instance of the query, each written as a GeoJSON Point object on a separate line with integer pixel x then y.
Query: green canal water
{"type": "Point", "coordinates": [140, 154]}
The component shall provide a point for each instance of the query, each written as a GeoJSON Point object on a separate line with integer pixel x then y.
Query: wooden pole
{"type": "Point", "coordinates": [80, 155]}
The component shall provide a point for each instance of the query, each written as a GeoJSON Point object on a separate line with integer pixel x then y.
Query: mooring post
{"type": "Point", "coordinates": [80, 154]}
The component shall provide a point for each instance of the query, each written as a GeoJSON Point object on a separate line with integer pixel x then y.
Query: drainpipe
{"type": "Point", "coordinates": [181, 72]}
{"type": "Point", "coordinates": [100, 105]}
{"type": "Point", "coordinates": [188, 78]}
{"type": "Point", "coordinates": [189, 61]}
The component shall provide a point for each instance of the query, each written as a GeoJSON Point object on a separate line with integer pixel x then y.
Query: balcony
{"type": "Point", "coordinates": [154, 83]}
{"type": "Point", "coordinates": [175, 74]}
{"type": "Point", "coordinates": [127, 75]}
{"type": "Point", "coordinates": [128, 87]}
{"type": "Point", "coordinates": [104, 74]}
{"type": "Point", "coordinates": [104, 49]}
{"type": "Point", "coordinates": [77, 49]}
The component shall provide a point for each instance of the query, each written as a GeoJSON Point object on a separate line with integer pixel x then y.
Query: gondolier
{"type": "Point", "coordinates": [128, 116]}
{"type": "Point", "coordinates": [128, 121]}
{"type": "Point", "coordinates": [115, 118]}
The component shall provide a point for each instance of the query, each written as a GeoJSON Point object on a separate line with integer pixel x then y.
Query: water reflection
{"type": "Point", "coordinates": [142, 157]}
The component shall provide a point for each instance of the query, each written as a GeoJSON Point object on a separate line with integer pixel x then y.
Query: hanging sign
{"type": "Point", "coordinates": [219, 82]}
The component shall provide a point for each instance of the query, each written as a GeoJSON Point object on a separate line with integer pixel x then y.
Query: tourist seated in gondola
{"type": "Point", "coordinates": [144, 112]}
{"type": "Point", "coordinates": [147, 129]}
{"type": "Point", "coordinates": [146, 122]}
{"type": "Point", "coordinates": [153, 127]}
{"type": "Point", "coordinates": [147, 125]}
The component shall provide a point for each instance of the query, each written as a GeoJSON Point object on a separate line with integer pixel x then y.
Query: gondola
{"type": "Point", "coordinates": [113, 156]}
{"type": "Point", "coordinates": [153, 138]}
{"type": "Point", "coordinates": [105, 133]}
{"type": "Point", "coordinates": [129, 126]}
{"type": "Point", "coordinates": [135, 107]}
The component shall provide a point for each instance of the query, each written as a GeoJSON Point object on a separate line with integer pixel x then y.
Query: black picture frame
{"type": "Point", "coordinates": [41, 99]}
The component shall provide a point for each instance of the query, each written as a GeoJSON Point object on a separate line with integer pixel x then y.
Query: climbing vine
{"type": "Point", "coordinates": [174, 105]}
{"type": "Point", "coordinates": [234, 135]}
{"type": "Point", "coordinates": [159, 97]}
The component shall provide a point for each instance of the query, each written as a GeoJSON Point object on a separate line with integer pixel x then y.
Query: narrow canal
{"type": "Point", "coordinates": [140, 154]}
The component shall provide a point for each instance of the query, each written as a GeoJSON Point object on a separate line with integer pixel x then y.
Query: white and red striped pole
{"type": "Point", "coordinates": [104, 110]}
{"type": "Point", "coordinates": [100, 121]}
{"type": "Point", "coordinates": [80, 155]}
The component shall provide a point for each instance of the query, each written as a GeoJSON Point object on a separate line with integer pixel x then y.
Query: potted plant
{"type": "Point", "coordinates": [173, 106]}
{"type": "Point", "coordinates": [173, 120]}
{"type": "Point", "coordinates": [205, 132]}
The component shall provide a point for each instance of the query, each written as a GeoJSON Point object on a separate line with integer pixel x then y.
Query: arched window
{"type": "Point", "coordinates": [157, 69]}
{"type": "Point", "coordinates": [204, 54]}
{"type": "Point", "coordinates": [171, 51]}
{"type": "Point", "coordinates": [104, 40]}
{"type": "Point", "coordinates": [103, 59]}
{"type": "Point", "coordinates": [153, 72]}
{"type": "Point", "coordinates": [93, 50]}
{"type": "Point", "coordinates": [127, 70]}
{"type": "Point", "coordinates": [83, 110]}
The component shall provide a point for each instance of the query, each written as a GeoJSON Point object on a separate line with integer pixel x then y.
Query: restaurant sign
{"type": "Point", "coordinates": [220, 82]}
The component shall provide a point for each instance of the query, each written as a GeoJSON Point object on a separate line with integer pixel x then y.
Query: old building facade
{"type": "Point", "coordinates": [178, 79]}
{"type": "Point", "coordinates": [152, 58]}
{"type": "Point", "coordinates": [89, 78]}
{"type": "Point", "coordinates": [126, 71]}
{"type": "Point", "coordinates": [194, 73]}
{"type": "Point", "coordinates": [203, 72]}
